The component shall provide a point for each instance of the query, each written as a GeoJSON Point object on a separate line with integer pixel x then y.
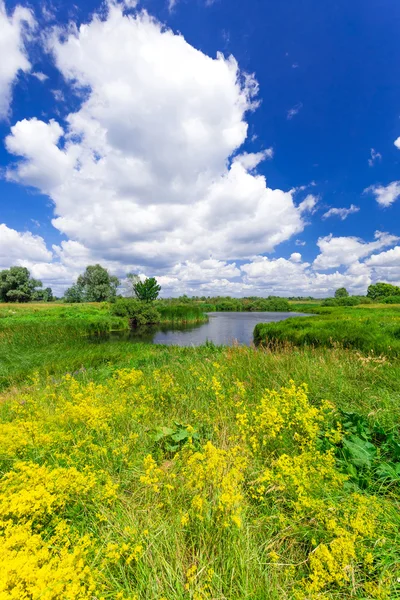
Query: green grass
{"type": "Point", "coordinates": [368, 330]}
{"type": "Point", "coordinates": [181, 313]}
{"type": "Point", "coordinates": [213, 432]}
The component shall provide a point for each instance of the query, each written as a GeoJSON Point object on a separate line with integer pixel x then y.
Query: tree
{"type": "Point", "coordinates": [341, 293]}
{"type": "Point", "coordinates": [147, 290]}
{"type": "Point", "coordinates": [48, 295]}
{"type": "Point", "coordinates": [95, 285]}
{"type": "Point", "coordinates": [73, 294]}
{"type": "Point", "coordinates": [45, 295]}
{"type": "Point", "coordinates": [16, 285]}
{"type": "Point", "coordinates": [382, 290]}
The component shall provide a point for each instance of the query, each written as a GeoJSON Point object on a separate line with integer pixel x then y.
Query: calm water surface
{"type": "Point", "coordinates": [222, 328]}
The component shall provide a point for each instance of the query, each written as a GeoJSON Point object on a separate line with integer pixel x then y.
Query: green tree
{"type": "Point", "coordinates": [48, 295]}
{"type": "Point", "coordinates": [45, 295]}
{"type": "Point", "coordinates": [147, 290]}
{"type": "Point", "coordinates": [73, 295]}
{"type": "Point", "coordinates": [16, 285]}
{"type": "Point", "coordinates": [382, 290]}
{"type": "Point", "coordinates": [342, 293]}
{"type": "Point", "coordinates": [95, 285]}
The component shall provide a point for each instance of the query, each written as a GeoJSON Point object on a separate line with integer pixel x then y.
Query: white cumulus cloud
{"type": "Point", "coordinates": [386, 265]}
{"type": "Point", "coordinates": [13, 28]}
{"type": "Point", "coordinates": [385, 195]}
{"type": "Point", "coordinates": [294, 277]}
{"type": "Point", "coordinates": [142, 174]}
{"type": "Point", "coordinates": [338, 251]}
{"type": "Point", "coordinates": [16, 246]}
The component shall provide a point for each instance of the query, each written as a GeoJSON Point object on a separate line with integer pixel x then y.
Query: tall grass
{"type": "Point", "coordinates": [28, 343]}
{"type": "Point", "coordinates": [182, 313]}
{"type": "Point", "coordinates": [366, 330]}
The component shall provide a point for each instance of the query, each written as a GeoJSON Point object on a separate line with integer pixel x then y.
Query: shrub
{"type": "Point", "coordinates": [138, 313]}
{"type": "Point", "coordinates": [391, 300]}
{"type": "Point", "coordinates": [345, 301]}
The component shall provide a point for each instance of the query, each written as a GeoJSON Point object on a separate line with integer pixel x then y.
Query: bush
{"type": "Point", "coordinates": [138, 313]}
{"type": "Point", "coordinates": [390, 300]}
{"type": "Point", "coordinates": [345, 301]}
{"type": "Point", "coordinates": [229, 306]}
{"type": "Point", "coordinates": [254, 305]}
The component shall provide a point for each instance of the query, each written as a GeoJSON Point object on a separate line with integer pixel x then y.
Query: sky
{"type": "Point", "coordinates": [226, 147]}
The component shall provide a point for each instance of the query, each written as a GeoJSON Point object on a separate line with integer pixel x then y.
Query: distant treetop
{"type": "Point", "coordinates": [94, 285]}
{"type": "Point", "coordinates": [17, 285]}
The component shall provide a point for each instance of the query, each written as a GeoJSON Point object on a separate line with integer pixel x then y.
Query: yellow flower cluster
{"type": "Point", "coordinates": [41, 557]}
{"type": "Point", "coordinates": [284, 416]}
{"type": "Point", "coordinates": [303, 485]}
{"type": "Point", "coordinates": [213, 477]}
{"type": "Point", "coordinates": [94, 505]}
{"type": "Point", "coordinates": [38, 568]}
{"type": "Point", "coordinates": [210, 478]}
{"type": "Point", "coordinates": [29, 492]}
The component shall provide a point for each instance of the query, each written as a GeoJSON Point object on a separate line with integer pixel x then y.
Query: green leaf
{"type": "Point", "coordinates": [389, 471]}
{"type": "Point", "coordinates": [162, 432]}
{"type": "Point", "coordinates": [359, 452]}
{"type": "Point", "coordinates": [172, 448]}
{"type": "Point", "coordinates": [180, 435]}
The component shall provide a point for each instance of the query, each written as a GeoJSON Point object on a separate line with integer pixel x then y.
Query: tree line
{"type": "Point", "coordinates": [94, 285]}
{"type": "Point", "coordinates": [97, 285]}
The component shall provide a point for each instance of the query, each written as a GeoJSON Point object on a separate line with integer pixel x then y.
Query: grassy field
{"type": "Point", "coordinates": [133, 471]}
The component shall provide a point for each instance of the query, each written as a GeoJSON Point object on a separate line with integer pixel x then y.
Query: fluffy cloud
{"type": "Point", "coordinates": [385, 195]}
{"type": "Point", "coordinates": [338, 251]}
{"type": "Point", "coordinates": [12, 50]}
{"type": "Point", "coordinates": [149, 175]}
{"type": "Point", "coordinates": [16, 247]}
{"type": "Point", "coordinates": [390, 258]}
{"type": "Point", "coordinates": [250, 161]}
{"type": "Point", "coordinates": [343, 213]}
{"type": "Point", "coordinates": [309, 204]}
{"type": "Point", "coordinates": [293, 277]}
{"type": "Point", "coordinates": [386, 265]}
{"type": "Point", "coordinates": [143, 174]}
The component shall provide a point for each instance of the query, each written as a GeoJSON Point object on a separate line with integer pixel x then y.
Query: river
{"type": "Point", "coordinates": [222, 328]}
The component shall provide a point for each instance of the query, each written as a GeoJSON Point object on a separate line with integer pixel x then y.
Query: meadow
{"type": "Point", "coordinates": [134, 471]}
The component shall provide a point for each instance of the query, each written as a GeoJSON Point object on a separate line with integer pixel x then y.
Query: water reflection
{"type": "Point", "coordinates": [221, 329]}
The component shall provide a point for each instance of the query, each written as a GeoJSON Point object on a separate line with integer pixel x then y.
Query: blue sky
{"type": "Point", "coordinates": [125, 144]}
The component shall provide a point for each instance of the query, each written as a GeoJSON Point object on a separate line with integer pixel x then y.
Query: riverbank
{"type": "Point", "coordinates": [372, 329]}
